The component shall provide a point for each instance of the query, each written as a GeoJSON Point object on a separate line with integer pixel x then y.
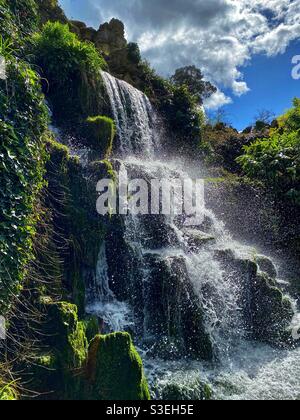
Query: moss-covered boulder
{"type": "Point", "coordinates": [266, 265]}
{"type": "Point", "coordinates": [59, 373]}
{"type": "Point", "coordinates": [115, 370]}
{"type": "Point", "coordinates": [100, 135]}
{"type": "Point", "coordinates": [92, 327]}
{"type": "Point", "coordinates": [191, 391]}
{"type": "Point", "coordinates": [196, 239]}
{"type": "Point", "coordinates": [68, 338]}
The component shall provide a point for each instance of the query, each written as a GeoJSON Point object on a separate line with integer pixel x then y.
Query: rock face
{"type": "Point", "coordinates": [167, 312]}
{"type": "Point", "coordinates": [111, 37]}
{"type": "Point", "coordinates": [268, 313]}
{"type": "Point", "coordinates": [174, 319]}
{"type": "Point", "coordinates": [114, 370]}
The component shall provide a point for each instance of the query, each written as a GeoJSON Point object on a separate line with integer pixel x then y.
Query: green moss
{"type": "Point", "coordinates": [115, 370]}
{"type": "Point", "coordinates": [71, 195]}
{"type": "Point", "coordinates": [69, 338]}
{"type": "Point", "coordinates": [194, 390]}
{"type": "Point", "coordinates": [101, 133]}
{"type": "Point", "coordinates": [57, 374]}
{"type": "Point", "coordinates": [91, 327]}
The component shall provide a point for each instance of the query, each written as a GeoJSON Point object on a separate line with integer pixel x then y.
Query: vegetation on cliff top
{"type": "Point", "coordinates": [71, 69]}
{"type": "Point", "coordinates": [276, 159]}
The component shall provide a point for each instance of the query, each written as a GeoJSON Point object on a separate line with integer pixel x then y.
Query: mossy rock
{"type": "Point", "coordinates": [186, 392]}
{"type": "Point", "coordinates": [100, 135]}
{"type": "Point", "coordinates": [69, 339]}
{"type": "Point", "coordinates": [58, 373]}
{"type": "Point", "coordinates": [115, 370]}
{"type": "Point", "coordinates": [91, 327]}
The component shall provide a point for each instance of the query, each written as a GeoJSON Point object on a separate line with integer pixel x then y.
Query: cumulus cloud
{"type": "Point", "coordinates": [219, 36]}
{"type": "Point", "coordinates": [216, 101]}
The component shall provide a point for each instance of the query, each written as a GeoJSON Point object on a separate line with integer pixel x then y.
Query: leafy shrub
{"type": "Point", "coordinates": [222, 145]}
{"type": "Point", "coordinates": [276, 160]}
{"type": "Point", "coordinates": [71, 68]}
{"type": "Point", "coordinates": [184, 117]}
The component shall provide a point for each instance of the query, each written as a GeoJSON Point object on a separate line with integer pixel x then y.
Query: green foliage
{"type": "Point", "coordinates": [70, 66]}
{"type": "Point", "coordinates": [61, 54]}
{"type": "Point", "coordinates": [184, 117]}
{"type": "Point", "coordinates": [7, 392]}
{"type": "Point", "coordinates": [18, 18]}
{"type": "Point", "coordinates": [68, 335]}
{"type": "Point", "coordinates": [276, 160]}
{"type": "Point", "coordinates": [222, 145]}
{"type": "Point", "coordinates": [101, 131]}
{"type": "Point", "coordinates": [192, 78]}
{"type": "Point", "coordinates": [115, 370]}
{"type": "Point", "coordinates": [290, 121]}
{"type": "Point", "coordinates": [23, 123]}
{"type": "Point", "coordinates": [6, 48]}
{"type": "Point", "coordinates": [50, 10]}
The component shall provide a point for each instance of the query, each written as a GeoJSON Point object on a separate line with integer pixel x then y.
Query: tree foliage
{"type": "Point", "coordinates": [276, 159]}
{"type": "Point", "coordinates": [193, 79]}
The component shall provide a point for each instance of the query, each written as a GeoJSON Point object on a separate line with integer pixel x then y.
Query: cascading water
{"type": "Point", "coordinates": [193, 298]}
{"type": "Point", "coordinates": [134, 118]}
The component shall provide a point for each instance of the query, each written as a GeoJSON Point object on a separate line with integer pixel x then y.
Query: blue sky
{"type": "Point", "coordinates": [245, 48]}
{"type": "Point", "coordinates": [271, 87]}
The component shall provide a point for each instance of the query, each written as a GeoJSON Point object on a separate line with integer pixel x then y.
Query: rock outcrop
{"type": "Point", "coordinates": [115, 370]}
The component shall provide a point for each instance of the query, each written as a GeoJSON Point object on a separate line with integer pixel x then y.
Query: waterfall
{"type": "Point", "coordinates": [134, 117]}
{"type": "Point", "coordinates": [191, 295]}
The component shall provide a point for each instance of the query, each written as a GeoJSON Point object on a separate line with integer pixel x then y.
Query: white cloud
{"type": "Point", "coordinates": [240, 88]}
{"type": "Point", "coordinates": [217, 100]}
{"type": "Point", "coordinates": [219, 36]}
